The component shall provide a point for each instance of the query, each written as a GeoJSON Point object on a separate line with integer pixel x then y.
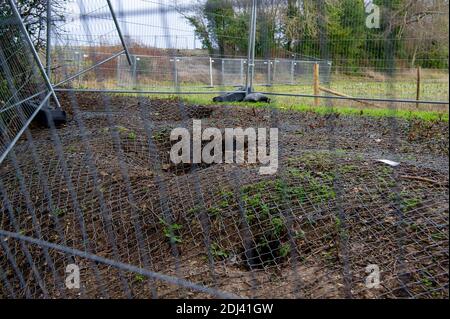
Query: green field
{"type": "Point", "coordinates": [432, 89]}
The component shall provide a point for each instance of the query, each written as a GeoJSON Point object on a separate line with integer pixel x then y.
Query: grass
{"type": "Point", "coordinates": [359, 87]}
{"type": "Point", "coordinates": [291, 103]}
{"type": "Point", "coordinates": [411, 203]}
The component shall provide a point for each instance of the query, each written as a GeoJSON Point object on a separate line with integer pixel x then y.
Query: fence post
{"type": "Point", "coordinates": [223, 72]}
{"type": "Point", "coordinates": [274, 70]}
{"type": "Point", "coordinates": [292, 71]}
{"type": "Point", "coordinates": [211, 81]}
{"type": "Point", "coordinates": [119, 32]}
{"type": "Point", "coordinates": [269, 75]}
{"type": "Point", "coordinates": [135, 59]}
{"type": "Point", "coordinates": [118, 71]}
{"type": "Point", "coordinates": [175, 71]}
{"type": "Point", "coordinates": [48, 49]}
{"type": "Point", "coordinates": [79, 67]}
{"type": "Point", "coordinates": [242, 72]}
{"type": "Point", "coordinates": [419, 79]}
{"type": "Point", "coordinates": [316, 84]}
{"type": "Point", "coordinates": [251, 49]}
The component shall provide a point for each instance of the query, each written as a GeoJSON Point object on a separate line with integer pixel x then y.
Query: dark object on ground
{"type": "Point", "coordinates": [230, 97]}
{"type": "Point", "coordinates": [241, 96]}
{"type": "Point", "coordinates": [46, 115]}
{"type": "Point", "coordinates": [256, 97]}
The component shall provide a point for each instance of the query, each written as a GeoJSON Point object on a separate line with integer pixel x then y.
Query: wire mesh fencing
{"type": "Point", "coordinates": [23, 88]}
{"type": "Point", "coordinates": [152, 73]}
{"type": "Point", "coordinates": [110, 190]}
{"type": "Point", "coordinates": [98, 208]}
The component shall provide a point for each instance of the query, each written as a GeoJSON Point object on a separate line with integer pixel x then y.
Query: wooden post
{"type": "Point", "coordinates": [419, 76]}
{"type": "Point", "coordinates": [316, 84]}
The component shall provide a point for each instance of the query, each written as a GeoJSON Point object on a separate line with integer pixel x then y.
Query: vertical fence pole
{"type": "Point", "coordinates": [48, 66]}
{"type": "Point", "coordinates": [316, 81]}
{"type": "Point", "coordinates": [175, 59]}
{"type": "Point", "coordinates": [292, 72]}
{"type": "Point", "coordinates": [273, 75]}
{"type": "Point", "coordinates": [419, 84]}
{"type": "Point", "coordinates": [223, 72]}
{"type": "Point", "coordinates": [119, 31]}
{"type": "Point", "coordinates": [253, 44]}
{"type": "Point", "coordinates": [268, 72]}
{"type": "Point", "coordinates": [134, 66]}
{"type": "Point", "coordinates": [211, 80]}
{"type": "Point", "coordinates": [79, 68]}
{"type": "Point", "coordinates": [49, 35]}
{"type": "Point", "coordinates": [118, 70]}
{"type": "Point", "coordinates": [251, 49]}
{"type": "Point", "coordinates": [242, 72]}
{"type": "Point", "coordinates": [33, 51]}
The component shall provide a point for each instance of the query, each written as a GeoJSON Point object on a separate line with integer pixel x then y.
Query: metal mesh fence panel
{"type": "Point", "coordinates": [23, 90]}
{"type": "Point", "coordinates": [215, 72]}
{"type": "Point", "coordinates": [357, 206]}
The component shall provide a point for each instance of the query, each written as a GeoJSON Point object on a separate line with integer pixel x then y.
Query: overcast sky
{"type": "Point", "coordinates": [142, 20]}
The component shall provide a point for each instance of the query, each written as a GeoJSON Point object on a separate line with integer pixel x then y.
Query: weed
{"type": "Point", "coordinates": [278, 226]}
{"type": "Point", "coordinates": [411, 203]}
{"type": "Point", "coordinates": [227, 197]}
{"type": "Point", "coordinates": [249, 216]}
{"type": "Point", "coordinates": [161, 134]}
{"type": "Point", "coordinates": [139, 278]}
{"type": "Point", "coordinates": [257, 203]}
{"type": "Point", "coordinates": [427, 282]}
{"type": "Point", "coordinates": [72, 149]}
{"type": "Point", "coordinates": [300, 234]}
{"type": "Point", "coordinates": [58, 212]}
{"type": "Point", "coordinates": [348, 169]}
{"type": "Point", "coordinates": [122, 130]}
{"type": "Point", "coordinates": [337, 223]}
{"type": "Point", "coordinates": [298, 193]}
{"type": "Point", "coordinates": [194, 211]}
{"type": "Point", "coordinates": [438, 236]}
{"type": "Point", "coordinates": [295, 172]}
{"type": "Point", "coordinates": [284, 250]}
{"type": "Point", "coordinates": [171, 231]}
{"type": "Point", "coordinates": [322, 192]}
{"type": "Point", "coordinates": [214, 211]}
{"type": "Point", "coordinates": [132, 136]}
{"type": "Point", "coordinates": [218, 251]}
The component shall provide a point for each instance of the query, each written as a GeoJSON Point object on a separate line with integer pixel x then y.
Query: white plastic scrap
{"type": "Point", "coordinates": [389, 162]}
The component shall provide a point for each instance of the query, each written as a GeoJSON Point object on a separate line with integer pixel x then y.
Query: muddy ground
{"type": "Point", "coordinates": [104, 183]}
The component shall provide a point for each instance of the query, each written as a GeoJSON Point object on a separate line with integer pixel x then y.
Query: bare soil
{"type": "Point", "coordinates": [309, 231]}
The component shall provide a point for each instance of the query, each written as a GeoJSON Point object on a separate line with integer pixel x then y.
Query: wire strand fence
{"type": "Point", "coordinates": [96, 208]}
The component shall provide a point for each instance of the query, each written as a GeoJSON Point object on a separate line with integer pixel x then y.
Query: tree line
{"type": "Point", "coordinates": [339, 30]}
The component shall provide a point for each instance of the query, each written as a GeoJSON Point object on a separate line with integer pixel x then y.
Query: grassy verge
{"type": "Point", "coordinates": [293, 104]}
{"type": "Point", "coordinates": [408, 111]}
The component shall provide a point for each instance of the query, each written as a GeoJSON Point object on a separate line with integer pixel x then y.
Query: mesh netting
{"type": "Point", "coordinates": [104, 185]}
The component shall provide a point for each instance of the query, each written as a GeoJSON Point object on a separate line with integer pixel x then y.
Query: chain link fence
{"type": "Point", "coordinates": [96, 208]}
{"type": "Point", "coordinates": [153, 72]}
{"type": "Point", "coordinates": [23, 89]}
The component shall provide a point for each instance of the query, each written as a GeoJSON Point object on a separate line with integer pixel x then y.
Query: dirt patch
{"type": "Point", "coordinates": [309, 231]}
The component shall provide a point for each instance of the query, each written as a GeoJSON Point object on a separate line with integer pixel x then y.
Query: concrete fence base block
{"type": "Point", "coordinates": [257, 97]}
